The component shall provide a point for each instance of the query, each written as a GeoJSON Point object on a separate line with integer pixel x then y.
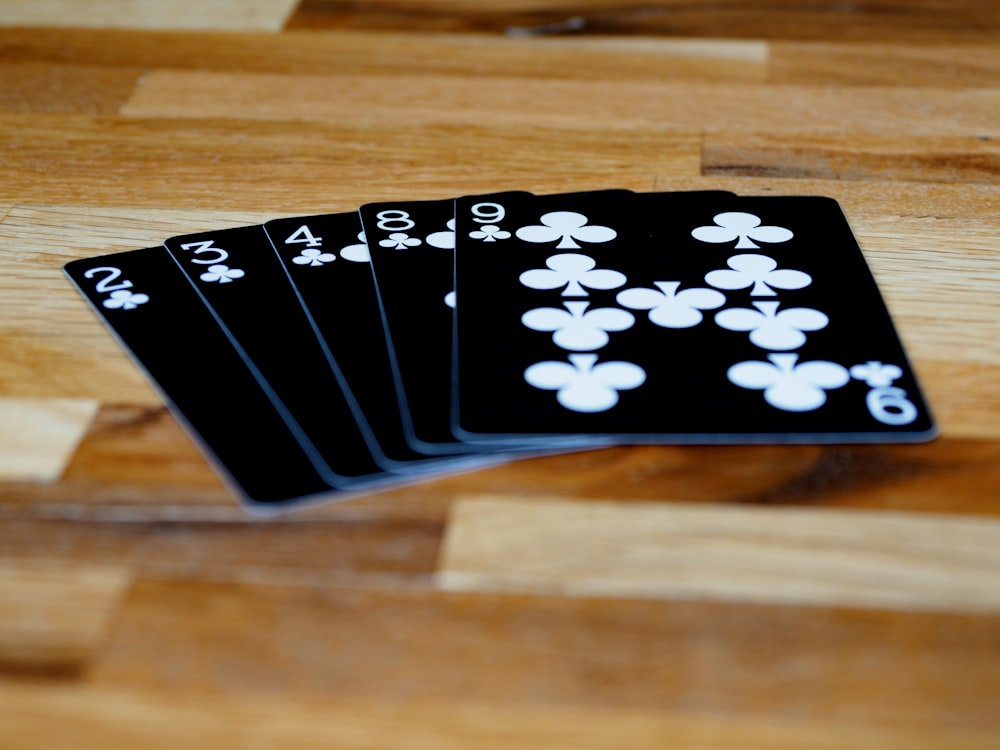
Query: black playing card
{"type": "Point", "coordinates": [240, 278]}
{"type": "Point", "coordinates": [327, 260]}
{"type": "Point", "coordinates": [147, 302]}
{"type": "Point", "coordinates": [412, 253]}
{"type": "Point", "coordinates": [676, 317]}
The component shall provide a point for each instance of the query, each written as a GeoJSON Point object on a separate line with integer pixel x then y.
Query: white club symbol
{"type": "Point", "coordinates": [399, 241]}
{"type": "Point", "coordinates": [313, 257]}
{"type": "Point", "coordinates": [770, 329]}
{"type": "Point", "coordinates": [875, 374]}
{"type": "Point", "coordinates": [757, 271]}
{"type": "Point", "coordinates": [576, 329]}
{"type": "Point", "coordinates": [742, 226]}
{"type": "Point", "coordinates": [583, 386]}
{"type": "Point", "coordinates": [356, 253]}
{"type": "Point", "coordinates": [443, 240]}
{"type": "Point", "coordinates": [567, 227]}
{"type": "Point", "coordinates": [668, 307]}
{"type": "Point", "coordinates": [222, 274]}
{"type": "Point", "coordinates": [489, 233]}
{"type": "Point", "coordinates": [572, 271]}
{"type": "Point", "coordinates": [789, 386]}
{"type": "Point", "coordinates": [123, 299]}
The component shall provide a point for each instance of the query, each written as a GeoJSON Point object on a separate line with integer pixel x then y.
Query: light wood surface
{"type": "Point", "coordinates": [247, 15]}
{"type": "Point", "coordinates": [56, 614]}
{"type": "Point", "coordinates": [40, 436]}
{"type": "Point", "coordinates": [836, 558]}
{"type": "Point", "coordinates": [103, 718]}
{"type": "Point", "coordinates": [639, 597]}
{"type": "Point", "coordinates": [501, 101]}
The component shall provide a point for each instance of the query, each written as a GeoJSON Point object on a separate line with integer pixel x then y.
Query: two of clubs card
{"type": "Point", "coordinates": [320, 357]}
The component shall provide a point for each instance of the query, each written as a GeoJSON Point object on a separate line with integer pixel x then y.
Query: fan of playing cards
{"type": "Point", "coordinates": [330, 354]}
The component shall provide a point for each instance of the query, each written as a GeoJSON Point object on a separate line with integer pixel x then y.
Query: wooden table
{"type": "Point", "coordinates": [633, 597]}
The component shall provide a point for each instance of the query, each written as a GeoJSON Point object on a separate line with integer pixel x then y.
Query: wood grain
{"type": "Point", "coordinates": [33, 716]}
{"type": "Point", "coordinates": [826, 63]}
{"type": "Point", "coordinates": [55, 87]}
{"type": "Point", "coordinates": [231, 15]}
{"type": "Point", "coordinates": [40, 435]}
{"type": "Point", "coordinates": [833, 558]}
{"type": "Point", "coordinates": [145, 608]}
{"type": "Point", "coordinates": [56, 615]}
{"type": "Point", "coordinates": [373, 552]}
{"type": "Point", "coordinates": [139, 494]}
{"type": "Point", "coordinates": [142, 451]}
{"type": "Point", "coordinates": [827, 19]}
{"type": "Point", "coordinates": [972, 159]}
{"type": "Point", "coordinates": [317, 167]}
{"type": "Point", "coordinates": [137, 465]}
{"type": "Point", "coordinates": [433, 100]}
{"type": "Point", "coordinates": [402, 644]}
{"type": "Point", "coordinates": [962, 396]}
{"type": "Point", "coordinates": [581, 58]}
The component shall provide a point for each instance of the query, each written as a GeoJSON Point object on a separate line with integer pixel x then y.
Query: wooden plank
{"type": "Point", "coordinates": [56, 615]}
{"type": "Point", "coordinates": [903, 64]}
{"type": "Point", "coordinates": [130, 452]}
{"type": "Point", "coordinates": [801, 557]}
{"type": "Point", "coordinates": [56, 87]}
{"type": "Point", "coordinates": [33, 716]}
{"type": "Point", "coordinates": [894, 252]}
{"type": "Point", "coordinates": [228, 15]}
{"type": "Point", "coordinates": [147, 490]}
{"type": "Point", "coordinates": [349, 551]}
{"type": "Point", "coordinates": [53, 235]}
{"type": "Point", "coordinates": [436, 100]}
{"type": "Point", "coordinates": [825, 19]}
{"type": "Point", "coordinates": [137, 465]}
{"type": "Point", "coordinates": [40, 435]}
{"type": "Point", "coordinates": [308, 167]}
{"type": "Point", "coordinates": [962, 396]}
{"type": "Point", "coordinates": [915, 669]}
{"type": "Point", "coordinates": [924, 202]}
{"type": "Point", "coordinates": [270, 189]}
{"type": "Point", "coordinates": [581, 58]}
{"type": "Point", "coordinates": [967, 160]}
{"type": "Point", "coordinates": [139, 494]}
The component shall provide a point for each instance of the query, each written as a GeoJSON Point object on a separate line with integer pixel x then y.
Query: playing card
{"type": "Point", "coordinates": [326, 258]}
{"type": "Point", "coordinates": [240, 278]}
{"type": "Point", "coordinates": [412, 253]}
{"type": "Point", "coordinates": [675, 317]}
{"type": "Point", "coordinates": [148, 304]}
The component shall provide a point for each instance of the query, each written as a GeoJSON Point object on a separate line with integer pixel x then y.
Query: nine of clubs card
{"type": "Point", "coordinates": [687, 317]}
